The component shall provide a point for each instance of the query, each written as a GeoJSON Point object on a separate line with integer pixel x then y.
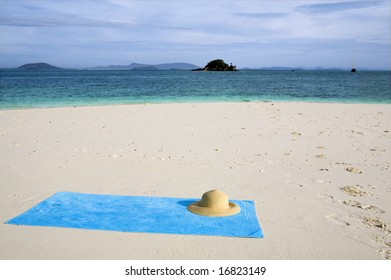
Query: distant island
{"type": "Point", "coordinates": [283, 68]}
{"type": "Point", "coordinates": [217, 65]}
{"type": "Point", "coordinates": [138, 66]}
{"type": "Point", "coordinates": [38, 66]}
{"type": "Point", "coordinates": [214, 65]}
{"type": "Point", "coordinates": [145, 68]}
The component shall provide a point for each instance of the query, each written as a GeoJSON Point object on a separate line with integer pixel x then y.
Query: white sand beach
{"type": "Point", "coordinates": [320, 175]}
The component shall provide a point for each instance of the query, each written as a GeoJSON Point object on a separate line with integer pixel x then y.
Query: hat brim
{"type": "Point", "coordinates": [196, 208]}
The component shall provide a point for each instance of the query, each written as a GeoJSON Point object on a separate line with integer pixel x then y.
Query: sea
{"type": "Point", "coordinates": [21, 89]}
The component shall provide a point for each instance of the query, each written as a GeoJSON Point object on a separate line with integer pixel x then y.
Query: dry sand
{"type": "Point", "coordinates": [320, 175]}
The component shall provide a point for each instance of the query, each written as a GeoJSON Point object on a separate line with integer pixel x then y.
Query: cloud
{"type": "Point", "coordinates": [75, 21]}
{"type": "Point", "coordinates": [193, 30]}
{"type": "Point", "coordinates": [337, 6]}
{"type": "Point", "coordinates": [261, 15]}
{"type": "Point", "coordinates": [62, 21]}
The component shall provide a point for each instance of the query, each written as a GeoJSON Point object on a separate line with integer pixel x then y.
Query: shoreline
{"type": "Point", "coordinates": [193, 102]}
{"type": "Point", "coordinates": [319, 174]}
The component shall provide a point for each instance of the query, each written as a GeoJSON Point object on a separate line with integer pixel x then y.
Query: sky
{"type": "Point", "coordinates": [247, 33]}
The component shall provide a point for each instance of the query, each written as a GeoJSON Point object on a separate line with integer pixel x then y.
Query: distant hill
{"type": "Point", "coordinates": [38, 66]}
{"type": "Point", "coordinates": [176, 66]}
{"type": "Point", "coordinates": [145, 68]}
{"type": "Point", "coordinates": [119, 67]}
{"type": "Point", "coordinates": [281, 68]}
{"type": "Point", "coordinates": [138, 66]}
{"type": "Point", "coordinates": [271, 68]}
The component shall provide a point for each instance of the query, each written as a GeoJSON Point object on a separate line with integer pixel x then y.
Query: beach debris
{"type": "Point", "coordinates": [377, 150]}
{"type": "Point", "coordinates": [376, 222]}
{"type": "Point", "coordinates": [342, 163]}
{"type": "Point", "coordinates": [324, 169]}
{"type": "Point", "coordinates": [320, 147]}
{"type": "Point", "coordinates": [326, 195]}
{"type": "Point", "coordinates": [296, 133]}
{"type": "Point", "coordinates": [353, 170]}
{"type": "Point", "coordinates": [357, 132]}
{"type": "Point", "coordinates": [321, 156]}
{"type": "Point", "coordinates": [356, 190]}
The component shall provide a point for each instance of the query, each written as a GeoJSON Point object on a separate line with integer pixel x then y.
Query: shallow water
{"type": "Point", "coordinates": [35, 89]}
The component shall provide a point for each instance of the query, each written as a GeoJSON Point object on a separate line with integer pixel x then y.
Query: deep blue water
{"type": "Point", "coordinates": [33, 89]}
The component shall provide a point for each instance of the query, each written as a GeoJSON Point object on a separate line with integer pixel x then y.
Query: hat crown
{"type": "Point", "coordinates": [215, 199]}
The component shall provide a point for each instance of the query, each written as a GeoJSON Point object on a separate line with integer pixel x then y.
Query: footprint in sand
{"type": "Point", "coordinates": [377, 222]}
{"type": "Point", "coordinates": [358, 204]}
{"type": "Point", "coordinates": [385, 244]}
{"type": "Point", "coordinates": [337, 220]}
{"type": "Point", "coordinates": [321, 181]}
{"type": "Point", "coordinates": [356, 190]}
{"type": "Point", "coordinates": [385, 253]}
{"type": "Point", "coordinates": [353, 170]}
{"type": "Point", "coordinates": [328, 198]}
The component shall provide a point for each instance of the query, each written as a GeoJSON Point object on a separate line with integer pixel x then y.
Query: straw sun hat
{"type": "Point", "coordinates": [214, 203]}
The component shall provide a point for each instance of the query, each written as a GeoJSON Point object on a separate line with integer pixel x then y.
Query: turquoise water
{"type": "Point", "coordinates": [36, 89]}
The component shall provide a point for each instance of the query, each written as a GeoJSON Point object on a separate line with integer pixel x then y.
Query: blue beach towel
{"type": "Point", "coordinates": [138, 214]}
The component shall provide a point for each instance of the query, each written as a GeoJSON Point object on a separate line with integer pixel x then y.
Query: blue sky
{"type": "Point", "coordinates": [248, 33]}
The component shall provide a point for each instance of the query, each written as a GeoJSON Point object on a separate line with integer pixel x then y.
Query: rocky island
{"type": "Point", "coordinates": [217, 65]}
